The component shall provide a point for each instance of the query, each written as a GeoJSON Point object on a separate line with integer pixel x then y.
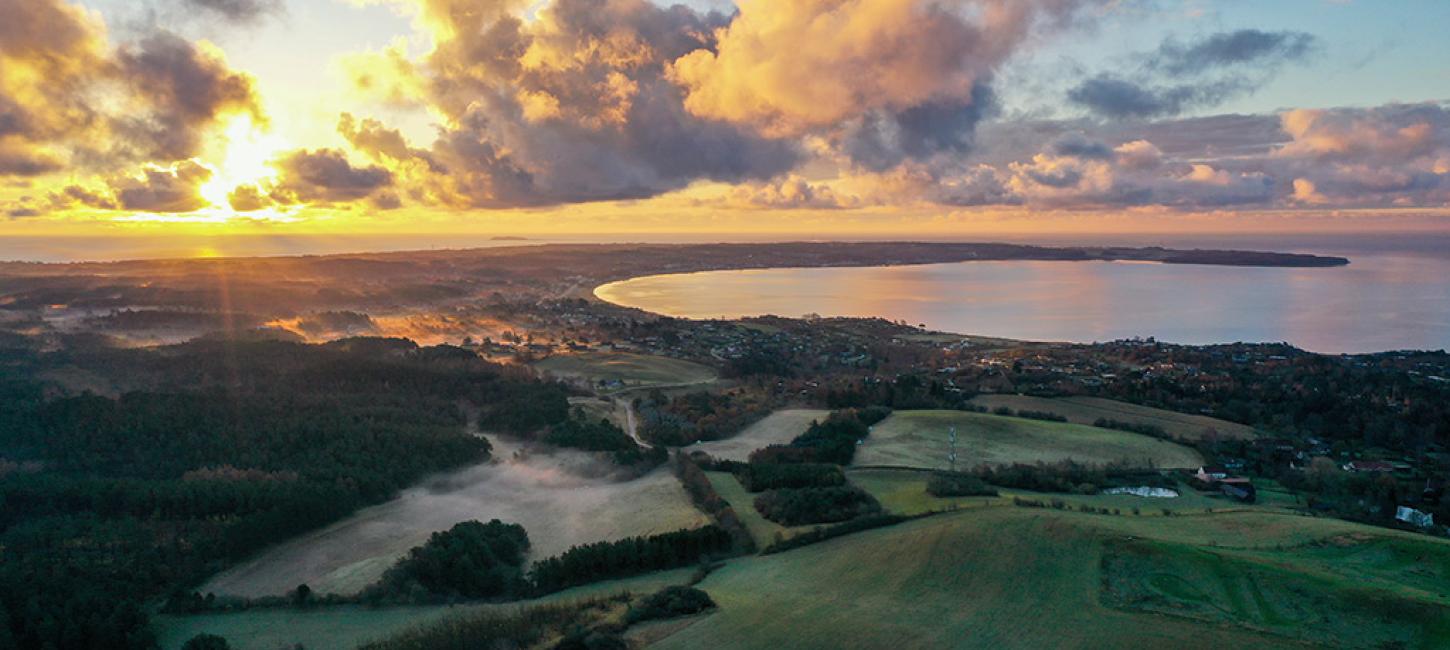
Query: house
{"type": "Point", "coordinates": [1211, 474]}
{"type": "Point", "coordinates": [1377, 466]}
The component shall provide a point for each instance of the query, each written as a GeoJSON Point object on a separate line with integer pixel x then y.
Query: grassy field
{"type": "Point", "coordinates": [919, 439]}
{"type": "Point", "coordinates": [634, 370]}
{"type": "Point", "coordinates": [763, 530]}
{"type": "Point", "coordinates": [1086, 410]}
{"type": "Point", "coordinates": [1010, 577]}
{"type": "Point", "coordinates": [344, 627]}
{"type": "Point", "coordinates": [777, 428]}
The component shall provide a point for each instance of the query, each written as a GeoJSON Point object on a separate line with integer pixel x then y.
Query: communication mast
{"type": "Point", "coordinates": [952, 451]}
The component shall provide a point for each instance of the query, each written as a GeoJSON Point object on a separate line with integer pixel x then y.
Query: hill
{"type": "Point", "coordinates": [1010, 577]}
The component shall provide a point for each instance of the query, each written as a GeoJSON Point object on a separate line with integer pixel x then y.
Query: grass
{"type": "Point", "coordinates": [919, 439]}
{"type": "Point", "coordinates": [1086, 410]}
{"type": "Point", "coordinates": [777, 428]}
{"type": "Point", "coordinates": [634, 370]}
{"type": "Point", "coordinates": [345, 627]}
{"type": "Point", "coordinates": [1010, 577]}
{"type": "Point", "coordinates": [762, 530]}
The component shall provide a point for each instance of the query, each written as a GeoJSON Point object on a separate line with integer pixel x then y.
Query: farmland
{"type": "Point", "coordinates": [919, 439]}
{"type": "Point", "coordinates": [1086, 410]}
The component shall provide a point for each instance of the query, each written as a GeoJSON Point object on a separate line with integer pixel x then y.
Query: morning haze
{"type": "Point", "coordinates": [619, 324]}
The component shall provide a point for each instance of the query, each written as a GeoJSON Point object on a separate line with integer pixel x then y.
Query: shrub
{"type": "Point", "coordinates": [670, 602]}
{"type": "Point", "coordinates": [206, 642]}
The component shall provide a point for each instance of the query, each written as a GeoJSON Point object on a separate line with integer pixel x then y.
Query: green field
{"type": "Point", "coordinates": [919, 439]}
{"type": "Point", "coordinates": [1086, 410]}
{"type": "Point", "coordinates": [344, 627]}
{"type": "Point", "coordinates": [1010, 577]}
{"type": "Point", "coordinates": [777, 428]}
{"type": "Point", "coordinates": [633, 370]}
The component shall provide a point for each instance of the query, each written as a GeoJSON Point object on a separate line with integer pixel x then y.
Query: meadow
{"type": "Point", "coordinates": [920, 439]}
{"type": "Point", "coordinates": [1086, 410]}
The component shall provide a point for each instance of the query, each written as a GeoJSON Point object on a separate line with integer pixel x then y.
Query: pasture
{"type": "Point", "coordinates": [562, 498]}
{"type": "Point", "coordinates": [1086, 410]}
{"type": "Point", "coordinates": [1012, 577]}
{"type": "Point", "coordinates": [777, 428]}
{"type": "Point", "coordinates": [629, 369]}
{"type": "Point", "coordinates": [919, 439]}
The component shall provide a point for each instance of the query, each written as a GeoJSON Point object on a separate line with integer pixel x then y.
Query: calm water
{"type": "Point", "coordinates": [1392, 296]}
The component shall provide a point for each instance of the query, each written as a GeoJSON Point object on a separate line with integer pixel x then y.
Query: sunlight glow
{"type": "Point", "coordinates": [248, 152]}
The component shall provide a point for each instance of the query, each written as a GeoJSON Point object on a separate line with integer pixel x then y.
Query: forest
{"type": "Point", "coordinates": [210, 451]}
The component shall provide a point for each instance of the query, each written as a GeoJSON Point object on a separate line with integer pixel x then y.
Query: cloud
{"type": "Point", "coordinates": [187, 90]}
{"type": "Point", "coordinates": [162, 189]}
{"type": "Point", "coordinates": [239, 11]}
{"type": "Point", "coordinates": [1225, 49]}
{"type": "Point", "coordinates": [570, 107]}
{"type": "Point", "coordinates": [69, 101]}
{"type": "Point", "coordinates": [323, 176]}
{"type": "Point", "coordinates": [1178, 77]}
{"type": "Point", "coordinates": [788, 192]}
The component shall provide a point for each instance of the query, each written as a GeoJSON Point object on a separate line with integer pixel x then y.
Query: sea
{"type": "Point", "coordinates": [1394, 294]}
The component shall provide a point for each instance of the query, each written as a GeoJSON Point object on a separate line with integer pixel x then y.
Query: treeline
{"type": "Point", "coordinates": [703, 495]}
{"type": "Point", "coordinates": [1133, 427]}
{"type": "Point", "coordinates": [958, 484]}
{"type": "Point", "coordinates": [821, 505]}
{"type": "Point", "coordinates": [692, 417]}
{"type": "Point", "coordinates": [758, 477]}
{"type": "Point", "coordinates": [832, 440]}
{"type": "Point", "coordinates": [1067, 476]}
{"type": "Point", "coordinates": [905, 392]}
{"type": "Point", "coordinates": [224, 447]}
{"type": "Point", "coordinates": [1046, 416]}
{"type": "Point", "coordinates": [608, 560]}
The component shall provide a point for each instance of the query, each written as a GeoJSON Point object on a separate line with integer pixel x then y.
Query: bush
{"type": "Point", "coordinates": [815, 505]}
{"type": "Point", "coordinates": [670, 602]}
{"type": "Point", "coordinates": [830, 532]}
{"type": "Point", "coordinates": [1041, 415]}
{"type": "Point", "coordinates": [958, 484]}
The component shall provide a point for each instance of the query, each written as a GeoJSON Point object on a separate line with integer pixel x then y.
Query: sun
{"type": "Point", "coordinates": [248, 152]}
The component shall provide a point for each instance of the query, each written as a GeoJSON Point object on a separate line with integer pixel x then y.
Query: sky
{"type": "Point", "coordinates": [830, 117]}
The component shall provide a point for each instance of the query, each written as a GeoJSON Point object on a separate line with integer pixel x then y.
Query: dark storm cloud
{"type": "Point", "coordinates": [1079, 146]}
